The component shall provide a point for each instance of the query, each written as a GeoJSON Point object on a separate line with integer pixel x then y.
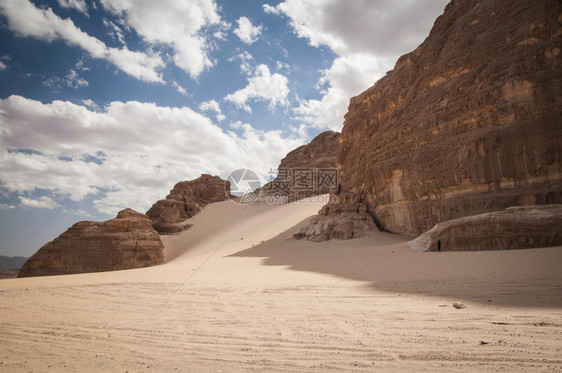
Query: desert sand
{"type": "Point", "coordinates": [236, 294]}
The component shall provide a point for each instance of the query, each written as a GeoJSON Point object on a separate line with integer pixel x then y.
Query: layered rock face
{"type": "Point", "coordinates": [514, 228]}
{"type": "Point", "coordinates": [344, 220]}
{"type": "Point", "coordinates": [469, 122]}
{"type": "Point", "coordinates": [126, 242]}
{"type": "Point", "coordinates": [308, 170]}
{"type": "Point", "coordinates": [185, 200]}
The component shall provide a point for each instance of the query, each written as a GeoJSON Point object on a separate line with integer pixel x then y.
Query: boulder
{"type": "Point", "coordinates": [125, 242]}
{"type": "Point", "coordinates": [345, 220]}
{"type": "Point", "coordinates": [515, 228]}
{"type": "Point", "coordinates": [185, 200]}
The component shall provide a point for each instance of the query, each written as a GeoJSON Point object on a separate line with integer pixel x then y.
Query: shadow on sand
{"type": "Point", "coordinates": [520, 278]}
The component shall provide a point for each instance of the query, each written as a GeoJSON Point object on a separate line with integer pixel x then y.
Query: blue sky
{"type": "Point", "coordinates": [106, 104]}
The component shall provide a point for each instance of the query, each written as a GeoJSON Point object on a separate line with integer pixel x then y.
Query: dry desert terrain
{"type": "Point", "coordinates": [237, 294]}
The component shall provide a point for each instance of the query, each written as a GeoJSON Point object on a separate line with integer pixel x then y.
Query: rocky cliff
{"type": "Point", "coordinates": [126, 242]}
{"type": "Point", "coordinates": [185, 200]}
{"type": "Point", "coordinates": [469, 122]}
{"type": "Point", "coordinates": [308, 170]}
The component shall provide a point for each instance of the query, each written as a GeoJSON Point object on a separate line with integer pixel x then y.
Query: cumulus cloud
{"type": "Point", "coordinates": [129, 154]}
{"type": "Point", "coordinates": [271, 9]}
{"type": "Point", "coordinates": [178, 24]}
{"type": "Point", "coordinates": [385, 28]}
{"type": "Point", "coordinates": [79, 5]}
{"type": "Point", "coordinates": [179, 88]}
{"type": "Point", "coordinates": [213, 106]}
{"type": "Point", "coordinates": [4, 62]}
{"type": "Point", "coordinates": [367, 37]}
{"type": "Point", "coordinates": [262, 86]}
{"type": "Point", "coordinates": [344, 79]}
{"type": "Point", "coordinates": [26, 20]}
{"type": "Point", "coordinates": [247, 32]}
{"type": "Point", "coordinates": [73, 80]}
{"type": "Point", "coordinates": [114, 31]}
{"type": "Point", "coordinates": [43, 202]}
{"type": "Point", "coordinates": [246, 61]}
{"type": "Point", "coordinates": [91, 104]}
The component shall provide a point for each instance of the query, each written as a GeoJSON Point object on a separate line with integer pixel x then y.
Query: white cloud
{"type": "Point", "coordinates": [282, 66]}
{"type": "Point", "coordinates": [366, 36]}
{"type": "Point", "coordinates": [271, 9]}
{"type": "Point", "coordinates": [236, 125]}
{"type": "Point", "coordinates": [214, 106]}
{"type": "Point", "coordinates": [247, 32]}
{"type": "Point", "coordinates": [115, 32]}
{"type": "Point", "coordinates": [179, 88]}
{"type": "Point", "coordinates": [4, 61]}
{"type": "Point", "coordinates": [246, 64]}
{"type": "Point", "coordinates": [78, 212]}
{"type": "Point", "coordinates": [80, 65]}
{"type": "Point", "coordinates": [385, 28]}
{"type": "Point", "coordinates": [27, 20]}
{"type": "Point", "coordinates": [91, 104]}
{"type": "Point", "coordinates": [43, 202]}
{"type": "Point", "coordinates": [262, 86]}
{"type": "Point", "coordinates": [4, 206]}
{"type": "Point", "coordinates": [73, 80]}
{"type": "Point", "coordinates": [79, 5]}
{"type": "Point", "coordinates": [128, 155]}
{"type": "Point", "coordinates": [179, 24]}
{"type": "Point", "coordinates": [343, 80]}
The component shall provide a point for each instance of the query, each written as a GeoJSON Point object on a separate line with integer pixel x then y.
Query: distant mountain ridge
{"type": "Point", "coordinates": [12, 263]}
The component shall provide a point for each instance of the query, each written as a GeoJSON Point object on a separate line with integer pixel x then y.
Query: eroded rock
{"type": "Point", "coordinates": [125, 242]}
{"type": "Point", "coordinates": [185, 200]}
{"type": "Point", "coordinates": [345, 220]}
{"type": "Point", "coordinates": [308, 170]}
{"type": "Point", "coordinates": [515, 228]}
{"type": "Point", "coordinates": [468, 123]}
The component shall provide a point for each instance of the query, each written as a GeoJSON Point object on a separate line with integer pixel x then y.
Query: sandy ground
{"type": "Point", "coordinates": [238, 295]}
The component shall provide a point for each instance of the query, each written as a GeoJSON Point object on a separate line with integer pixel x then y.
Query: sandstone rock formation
{"type": "Point", "coordinates": [344, 220]}
{"type": "Point", "coordinates": [514, 228]}
{"type": "Point", "coordinates": [308, 170]}
{"type": "Point", "coordinates": [469, 122]}
{"type": "Point", "coordinates": [126, 242]}
{"type": "Point", "coordinates": [185, 200]}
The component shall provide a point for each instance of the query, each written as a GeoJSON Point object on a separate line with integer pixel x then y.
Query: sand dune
{"type": "Point", "coordinates": [236, 295]}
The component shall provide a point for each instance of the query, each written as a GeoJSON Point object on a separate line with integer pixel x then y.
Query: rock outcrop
{"type": "Point", "coordinates": [344, 220]}
{"type": "Point", "coordinates": [470, 122]}
{"type": "Point", "coordinates": [185, 200]}
{"type": "Point", "coordinates": [126, 242]}
{"type": "Point", "coordinates": [515, 228]}
{"type": "Point", "coordinates": [308, 170]}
